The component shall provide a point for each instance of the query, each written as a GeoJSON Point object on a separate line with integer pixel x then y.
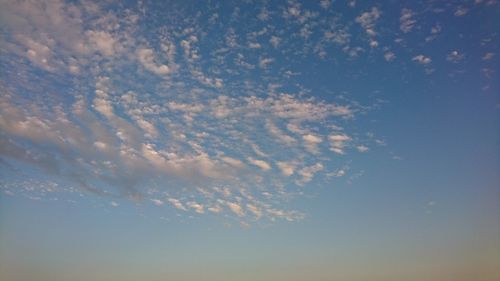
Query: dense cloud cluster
{"type": "Point", "coordinates": [200, 112]}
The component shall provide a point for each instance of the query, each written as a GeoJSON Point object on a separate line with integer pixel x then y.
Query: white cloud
{"type": "Point", "coordinates": [325, 4]}
{"type": "Point", "coordinates": [264, 62]}
{"type": "Point", "coordinates": [177, 204]}
{"type": "Point", "coordinates": [275, 41]}
{"type": "Point", "coordinates": [311, 143]}
{"type": "Point", "coordinates": [421, 59]}
{"type": "Point", "coordinates": [253, 45]}
{"type": "Point", "coordinates": [259, 163]}
{"type": "Point", "coordinates": [389, 56]}
{"type": "Point", "coordinates": [308, 173]}
{"type": "Point", "coordinates": [287, 169]}
{"type": "Point", "coordinates": [235, 208]}
{"type": "Point", "coordinates": [406, 20]}
{"type": "Point", "coordinates": [147, 58]}
{"type": "Point", "coordinates": [279, 134]}
{"type": "Point", "coordinates": [233, 162]}
{"type": "Point", "coordinates": [101, 101]}
{"type": "Point", "coordinates": [488, 56]}
{"type": "Point", "coordinates": [338, 142]}
{"type": "Point", "coordinates": [455, 56]}
{"type": "Point", "coordinates": [461, 11]}
{"type": "Point", "coordinates": [196, 207]}
{"type": "Point", "coordinates": [193, 108]}
{"type": "Point", "coordinates": [102, 41]}
{"type": "Point", "coordinates": [157, 202]}
{"type": "Point", "coordinates": [362, 148]}
{"type": "Point", "coordinates": [255, 210]}
{"type": "Point", "coordinates": [215, 209]}
{"type": "Point", "coordinates": [367, 20]}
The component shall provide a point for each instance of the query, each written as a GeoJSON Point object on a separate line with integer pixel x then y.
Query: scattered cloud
{"type": "Point", "coordinates": [259, 163]}
{"type": "Point", "coordinates": [407, 21]}
{"type": "Point", "coordinates": [455, 56]}
{"type": "Point", "coordinates": [421, 59]}
{"type": "Point", "coordinates": [227, 118]}
{"type": "Point", "coordinates": [368, 19]}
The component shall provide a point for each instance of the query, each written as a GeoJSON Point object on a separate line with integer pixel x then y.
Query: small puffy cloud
{"type": "Point", "coordinates": [488, 56]}
{"type": "Point", "coordinates": [198, 208]}
{"type": "Point", "coordinates": [233, 162]}
{"type": "Point", "coordinates": [259, 163]}
{"type": "Point", "coordinates": [157, 202]}
{"type": "Point", "coordinates": [264, 62]}
{"type": "Point", "coordinates": [406, 20]}
{"type": "Point", "coordinates": [455, 56]}
{"type": "Point", "coordinates": [325, 4]}
{"type": "Point", "coordinates": [275, 41]}
{"type": "Point", "coordinates": [338, 142]}
{"type": "Point", "coordinates": [362, 148]}
{"type": "Point", "coordinates": [421, 59]}
{"type": "Point", "coordinates": [193, 108]}
{"type": "Point", "coordinates": [309, 138]}
{"type": "Point", "coordinates": [279, 134]}
{"type": "Point", "coordinates": [287, 169]}
{"type": "Point", "coordinates": [461, 11]}
{"type": "Point", "coordinates": [367, 20]}
{"type": "Point", "coordinates": [255, 210]}
{"type": "Point", "coordinates": [389, 56]}
{"type": "Point", "coordinates": [235, 208]}
{"type": "Point", "coordinates": [308, 172]}
{"type": "Point", "coordinates": [101, 145]}
{"type": "Point", "coordinates": [253, 45]}
{"type": "Point", "coordinates": [215, 209]}
{"type": "Point", "coordinates": [147, 58]}
{"type": "Point", "coordinates": [311, 143]}
{"type": "Point", "coordinates": [177, 204]}
{"type": "Point", "coordinates": [102, 41]}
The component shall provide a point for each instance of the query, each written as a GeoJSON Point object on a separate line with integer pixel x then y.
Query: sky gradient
{"type": "Point", "coordinates": [249, 140]}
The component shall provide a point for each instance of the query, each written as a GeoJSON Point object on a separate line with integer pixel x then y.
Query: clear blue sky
{"type": "Point", "coordinates": [249, 140]}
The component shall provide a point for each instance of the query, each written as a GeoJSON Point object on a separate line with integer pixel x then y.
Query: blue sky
{"type": "Point", "coordinates": [249, 140]}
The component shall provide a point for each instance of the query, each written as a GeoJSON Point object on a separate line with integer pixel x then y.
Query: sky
{"type": "Point", "coordinates": [249, 140]}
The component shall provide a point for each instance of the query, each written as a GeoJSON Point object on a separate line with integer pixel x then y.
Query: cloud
{"type": "Point", "coordinates": [325, 4]}
{"type": "Point", "coordinates": [389, 56]}
{"type": "Point", "coordinates": [488, 56]}
{"type": "Point", "coordinates": [102, 42]}
{"type": "Point", "coordinates": [406, 20]}
{"type": "Point", "coordinates": [311, 143]}
{"type": "Point", "coordinates": [362, 148]}
{"type": "Point", "coordinates": [287, 169]}
{"type": "Point", "coordinates": [254, 210]}
{"type": "Point", "coordinates": [198, 208]}
{"type": "Point", "coordinates": [259, 163]}
{"type": "Point", "coordinates": [233, 162]}
{"type": "Point", "coordinates": [157, 202]}
{"type": "Point", "coordinates": [279, 134]}
{"type": "Point", "coordinates": [235, 208]}
{"type": "Point", "coordinates": [264, 62]}
{"type": "Point", "coordinates": [307, 173]}
{"type": "Point", "coordinates": [455, 56]}
{"type": "Point", "coordinates": [461, 11]}
{"type": "Point", "coordinates": [367, 20]}
{"type": "Point", "coordinates": [118, 111]}
{"type": "Point", "coordinates": [338, 142]}
{"type": "Point", "coordinates": [177, 204]}
{"type": "Point", "coordinates": [147, 59]}
{"type": "Point", "coordinates": [421, 59]}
